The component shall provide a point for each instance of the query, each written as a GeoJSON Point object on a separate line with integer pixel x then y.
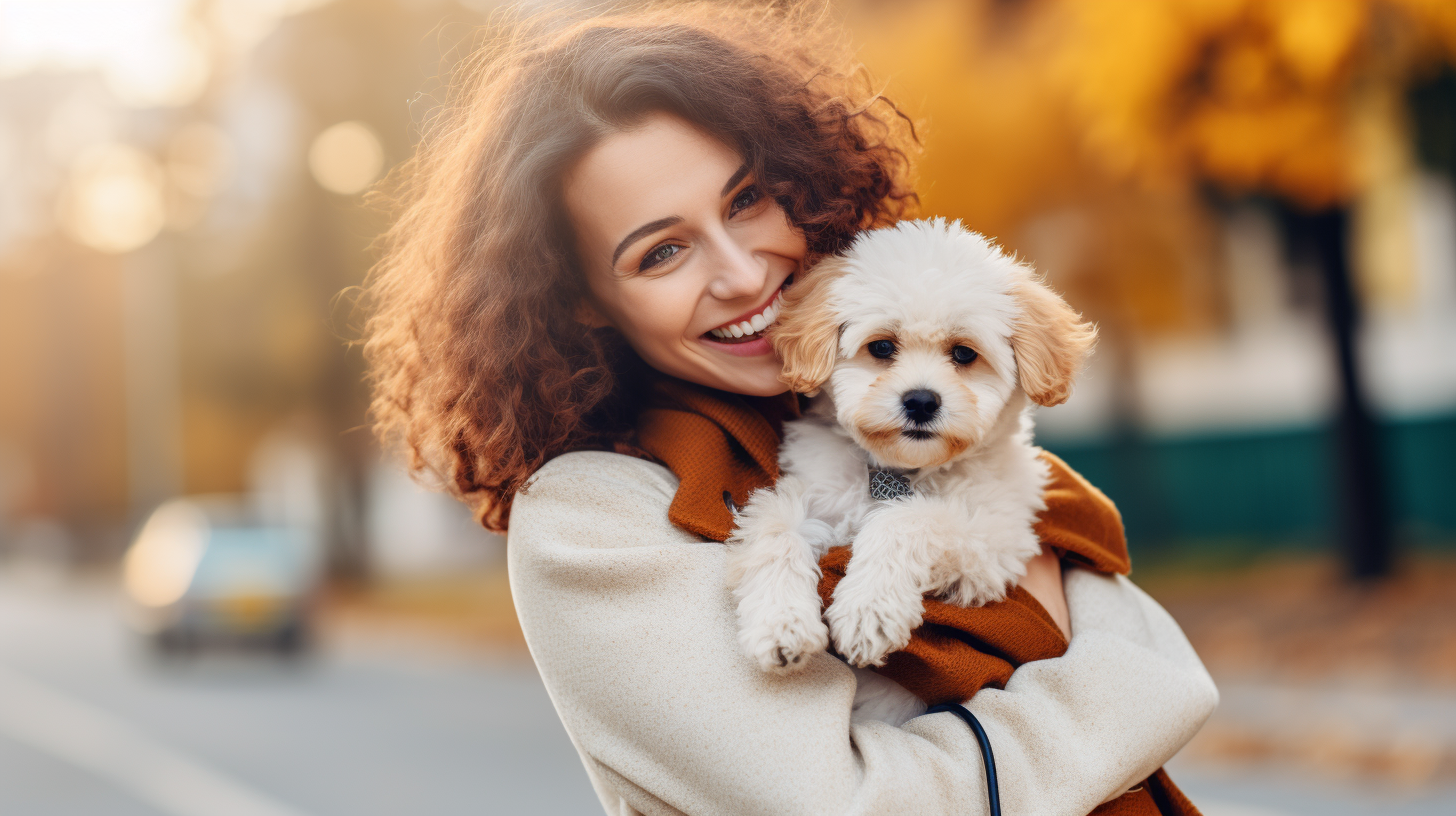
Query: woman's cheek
{"type": "Point", "coordinates": [660, 313]}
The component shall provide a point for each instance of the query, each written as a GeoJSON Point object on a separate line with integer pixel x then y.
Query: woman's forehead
{"type": "Point", "coordinates": [662, 168]}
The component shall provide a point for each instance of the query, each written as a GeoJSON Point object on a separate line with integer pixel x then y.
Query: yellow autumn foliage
{"type": "Point", "coordinates": [1113, 115]}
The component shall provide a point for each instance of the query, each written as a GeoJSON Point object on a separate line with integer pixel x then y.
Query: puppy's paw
{"type": "Point", "coordinates": [864, 635]}
{"type": "Point", "coordinates": [977, 590]}
{"type": "Point", "coordinates": [783, 641]}
{"type": "Point", "coordinates": [779, 612]}
{"type": "Point", "coordinates": [984, 573]}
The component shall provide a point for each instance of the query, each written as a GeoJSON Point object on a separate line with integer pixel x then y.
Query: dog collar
{"type": "Point", "coordinates": [889, 484]}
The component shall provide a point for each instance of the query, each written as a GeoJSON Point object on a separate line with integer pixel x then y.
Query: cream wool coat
{"type": "Point", "coordinates": [632, 626]}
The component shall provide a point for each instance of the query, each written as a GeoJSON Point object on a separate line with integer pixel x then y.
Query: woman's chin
{"type": "Point", "coordinates": [750, 368]}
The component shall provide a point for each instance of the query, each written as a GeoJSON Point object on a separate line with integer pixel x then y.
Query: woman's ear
{"type": "Point", "coordinates": [1051, 342]}
{"type": "Point", "coordinates": [806, 335]}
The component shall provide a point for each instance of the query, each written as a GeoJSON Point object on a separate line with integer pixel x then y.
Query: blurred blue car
{"type": "Point", "coordinates": [206, 571]}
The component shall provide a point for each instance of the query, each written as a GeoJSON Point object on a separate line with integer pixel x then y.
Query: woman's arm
{"type": "Point", "coordinates": [1043, 580]}
{"type": "Point", "coordinates": [632, 626]}
{"type": "Point", "coordinates": [1127, 695]}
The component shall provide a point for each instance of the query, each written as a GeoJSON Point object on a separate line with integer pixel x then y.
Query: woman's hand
{"type": "Point", "coordinates": [1044, 581]}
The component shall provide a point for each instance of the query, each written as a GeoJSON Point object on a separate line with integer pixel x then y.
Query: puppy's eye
{"type": "Point", "coordinates": [882, 349]}
{"type": "Point", "coordinates": [963, 355]}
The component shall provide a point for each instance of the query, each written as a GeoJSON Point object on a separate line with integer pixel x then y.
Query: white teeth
{"type": "Point", "coordinates": [772, 312]}
{"type": "Point", "coordinates": [754, 324]}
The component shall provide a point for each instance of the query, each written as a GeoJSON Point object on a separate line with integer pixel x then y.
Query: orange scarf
{"type": "Point", "coordinates": [723, 446]}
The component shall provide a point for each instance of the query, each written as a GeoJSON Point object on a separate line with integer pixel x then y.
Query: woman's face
{"type": "Point", "coordinates": [683, 254]}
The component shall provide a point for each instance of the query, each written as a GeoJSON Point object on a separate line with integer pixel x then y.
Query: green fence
{"type": "Point", "coordinates": [1258, 489]}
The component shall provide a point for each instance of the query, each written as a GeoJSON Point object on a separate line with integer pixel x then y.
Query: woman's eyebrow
{"type": "Point", "coordinates": [733, 182]}
{"type": "Point", "coordinates": [662, 223]}
{"type": "Point", "coordinates": [645, 229]}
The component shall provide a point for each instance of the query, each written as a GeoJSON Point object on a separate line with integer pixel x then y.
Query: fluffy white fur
{"type": "Point", "coordinates": [966, 533]}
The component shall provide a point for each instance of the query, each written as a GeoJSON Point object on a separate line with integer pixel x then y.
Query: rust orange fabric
{"type": "Point", "coordinates": [723, 446]}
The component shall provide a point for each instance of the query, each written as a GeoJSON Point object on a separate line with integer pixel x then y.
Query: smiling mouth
{"type": "Point", "coordinates": [751, 326]}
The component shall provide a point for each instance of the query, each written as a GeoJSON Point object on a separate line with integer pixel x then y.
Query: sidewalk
{"type": "Point", "coordinates": [1322, 679]}
{"type": "Point", "coordinates": [1403, 738]}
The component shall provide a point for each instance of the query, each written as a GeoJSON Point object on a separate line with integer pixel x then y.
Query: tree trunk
{"type": "Point", "coordinates": [1323, 239]}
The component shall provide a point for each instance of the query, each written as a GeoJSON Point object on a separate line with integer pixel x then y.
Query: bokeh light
{"type": "Point", "coordinates": [200, 159]}
{"type": "Point", "coordinates": [159, 566]}
{"type": "Point", "coordinates": [114, 200]}
{"type": "Point", "coordinates": [346, 158]}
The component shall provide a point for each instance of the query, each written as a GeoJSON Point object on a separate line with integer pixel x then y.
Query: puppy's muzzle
{"type": "Point", "coordinates": [921, 405]}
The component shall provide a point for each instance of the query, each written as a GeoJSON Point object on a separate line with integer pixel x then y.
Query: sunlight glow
{"type": "Point", "coordinates": [149, 52]}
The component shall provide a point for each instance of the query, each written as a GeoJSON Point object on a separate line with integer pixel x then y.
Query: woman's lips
{"type": "Point", "coordinates": [747, 347]}
{"type": "Point", "coordinates": [744, 336]}
{"type": "Point", "coordinates": [752, 323]}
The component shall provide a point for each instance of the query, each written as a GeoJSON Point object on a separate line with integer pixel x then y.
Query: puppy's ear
{"type": "Point", "coordinates": [806, 336]}
{"type": "Point", "coordinates": [1051, 342]}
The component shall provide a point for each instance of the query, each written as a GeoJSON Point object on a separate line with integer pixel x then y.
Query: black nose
{"type": "Point", "coordinates": [921, 405]}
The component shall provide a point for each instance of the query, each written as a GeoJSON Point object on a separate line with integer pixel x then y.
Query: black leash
{"type": "Point", "coordinates": [993, 795]}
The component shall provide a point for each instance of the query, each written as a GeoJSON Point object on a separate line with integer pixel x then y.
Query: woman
{"type": "Point", "coordinates": [568, 332]}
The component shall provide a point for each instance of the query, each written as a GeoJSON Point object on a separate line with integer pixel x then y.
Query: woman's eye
{"type": "Point", "coordinates": [658, 255]}
{"type": "Point", "coordinates": [746, 198]}
{"type": "Point", "coordinates": [963, 355]}
{"type": "Point", "coordinates": [882, 349]}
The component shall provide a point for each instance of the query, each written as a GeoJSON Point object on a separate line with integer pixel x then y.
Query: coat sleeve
{"type": "Point", "coordinates": [1085, 727]}
{"type": "Point", "coordinates": [632, 626]}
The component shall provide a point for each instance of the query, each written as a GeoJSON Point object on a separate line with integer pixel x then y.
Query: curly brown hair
{"type": "Point", "coordinates": [478, 362]}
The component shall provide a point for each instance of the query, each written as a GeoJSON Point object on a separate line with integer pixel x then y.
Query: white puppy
{"type": "Point", "coordinates": [926, 341]}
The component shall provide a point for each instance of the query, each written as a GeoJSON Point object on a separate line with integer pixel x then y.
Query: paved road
{"type": "Point", "coordinates": [1241, 791]}
{"type": "Point", "coordinates": [90, 727]}
{"type": "Point", "coordinates": [1410, 730]}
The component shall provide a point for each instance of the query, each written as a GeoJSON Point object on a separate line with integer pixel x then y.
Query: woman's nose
{"type": "Point", "coordinates": [738, 271]}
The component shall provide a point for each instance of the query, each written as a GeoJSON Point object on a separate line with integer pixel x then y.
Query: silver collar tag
{"type": "Point", "coordinates": [886, 485]}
